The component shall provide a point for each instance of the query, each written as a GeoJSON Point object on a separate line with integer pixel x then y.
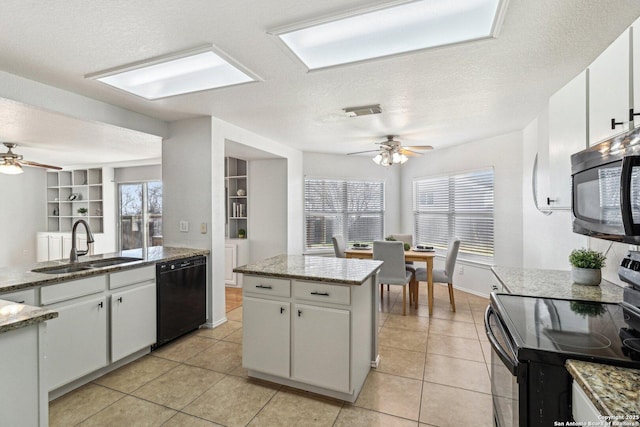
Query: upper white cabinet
{"type": "Point", "coordinates": [609, 91]}
{"type": "Point", "coordinates": [567, 135]}
{"type": "Point", "coordinates": [635, 50]}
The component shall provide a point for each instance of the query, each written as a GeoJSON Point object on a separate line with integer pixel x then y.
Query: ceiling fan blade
{"type": "Point", "coordinates": [38, 165]}
{"type": "Point", "coordinates": [409, 153]}
{"type": "Point", "coordinates": [419, 147]}
{"type": "Point", "coordinates": [362, 152]}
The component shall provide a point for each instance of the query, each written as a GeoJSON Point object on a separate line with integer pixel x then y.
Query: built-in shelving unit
{"type": "Point", "coordinates": [235, 172]}
{"type": "Point", "coordinates": [71, 190]}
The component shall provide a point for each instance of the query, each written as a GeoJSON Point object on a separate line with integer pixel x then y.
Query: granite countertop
{"type": "Point", "coordinates": [326, 269]}
{"type": "Point", "coordinates": [21, 277]}
{"type": "Point", "coordinates": [554, 284]}
{"type": "Point", "coordinates": [612, 389]}
{"type": "Point", "coordinates": [15, 316]}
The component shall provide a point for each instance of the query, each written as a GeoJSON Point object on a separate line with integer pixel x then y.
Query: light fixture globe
{"type": "Point", "coordinates": [9, 167]}
{"type": "Point", "coordinates": [386, 159]}
{"type": "Point", "coordinates": [377, 159]}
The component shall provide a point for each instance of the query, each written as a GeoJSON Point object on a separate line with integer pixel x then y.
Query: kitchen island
{"type": "Point", "coordinates": [310, 322]}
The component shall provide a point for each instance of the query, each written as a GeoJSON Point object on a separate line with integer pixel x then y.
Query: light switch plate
{"type": "Point", "coordinates": [203, 228]}
{"type": "Point", "coordinates": [184, 226]}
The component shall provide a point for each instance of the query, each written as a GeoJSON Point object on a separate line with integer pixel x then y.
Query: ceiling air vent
{"type": "Point", "coordinates": [363, 111]}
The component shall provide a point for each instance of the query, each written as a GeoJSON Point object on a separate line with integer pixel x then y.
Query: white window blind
{"type": "Point", "coordinates": [458, 205]}
{"type": "Point", "coordinates": [354, 209]}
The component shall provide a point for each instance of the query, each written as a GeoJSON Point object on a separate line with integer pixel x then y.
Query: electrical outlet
{"type": "Point", "coordinates": [203, 228]}
{"type": "Point", "coordinates": [184, 226]}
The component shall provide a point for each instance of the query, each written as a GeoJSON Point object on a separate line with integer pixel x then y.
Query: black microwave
{"type": "Point", "coordinates": [606, 189]}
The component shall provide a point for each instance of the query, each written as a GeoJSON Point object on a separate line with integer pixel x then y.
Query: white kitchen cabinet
{"type": "Point", "coordinates": [609, 90]}
{"type": "Point", "coordinates": [27, 296]}
{"type": "Point", "coordinates": [23, 399]}
{"type": "Point", "coordinates": [56, 246]}
{"type": "Point", "coordinates": [266, 335]}
{"type": "Point", "coordinates": [635, 50]}
{"type": "Point", "coordinates": [76, 340]}
{"type": "Point", "coordinates": [236, 252]}
{"type": "Point", "coordinates": [321, 347]}
{"type": "Point", "coordinates": [567, 135]}
{"type": "Point", "coordinates": [133, 320]}
{"type": "Point", "coordinates": [308, 334]}
{"type": "Point", "coordinates": [583, 410]}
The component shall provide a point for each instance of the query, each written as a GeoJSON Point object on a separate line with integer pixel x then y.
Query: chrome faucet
{"type": "Point", "coordinates": [75, 253]}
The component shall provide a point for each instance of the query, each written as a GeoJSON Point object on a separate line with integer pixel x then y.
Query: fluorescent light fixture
{"type": "Point", "coordinates": [391, 30]}
{"type": "Point", "coordinates": [186, 72]}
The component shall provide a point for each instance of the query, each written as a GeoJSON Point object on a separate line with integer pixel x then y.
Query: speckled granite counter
{"type": "Point", "coordinates": [612, 389]}
{"type": "Point", "coordinates": [327, 269]}
{"type": "Point", "coordinates": [21, 277]}
{"type": "Point", "coordinates": [554, 284]}
{"type": "Point", "coordinates": [15, 316]}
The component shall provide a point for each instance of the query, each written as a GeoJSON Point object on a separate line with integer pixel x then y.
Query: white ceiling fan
{"type": "Point", "coordinates": [11, 163]}
{"type": "Point", "coordinates": [391, 151]}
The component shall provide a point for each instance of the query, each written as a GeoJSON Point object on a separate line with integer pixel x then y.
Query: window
{"type": "Point", "coordinates": [140, 214]}
{"type": "Point", "coordinates": [456, 205]}
{"type": "Point", "coordinates": [354, 209]}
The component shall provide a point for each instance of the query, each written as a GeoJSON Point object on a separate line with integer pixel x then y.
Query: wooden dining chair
{"type": "Point", "coordinates": [393, 271]}
{"type": "Point", "coordinates": [339, 245]}
{"type": "Point", "coordinates": [441, 276]}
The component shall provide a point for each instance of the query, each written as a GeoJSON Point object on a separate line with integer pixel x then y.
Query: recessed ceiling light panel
{"type": "Point", "coordinates": [177, 74]}
{"type": "Point", "coordinates": [392, 30]}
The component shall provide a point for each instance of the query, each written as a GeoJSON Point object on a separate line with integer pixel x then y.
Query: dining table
{"type": "Point", "coordinates": [409, 255]}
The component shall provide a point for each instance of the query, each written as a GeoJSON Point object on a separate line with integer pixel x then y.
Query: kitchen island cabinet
{"type": "Point", "coordinates": [23, 395]}
{"type": "Point", "coordinates": [311, 322]}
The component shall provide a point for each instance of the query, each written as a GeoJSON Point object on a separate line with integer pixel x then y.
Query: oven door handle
{"type": "Point", "coordinates": [510, 362]}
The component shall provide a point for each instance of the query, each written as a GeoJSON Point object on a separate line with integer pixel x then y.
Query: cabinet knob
{"type": "Point", "coordinates": [282, 310]}
{"type": "Point", "coordinates": [120, 299]}
{"type": "Point", "coordinates": [632, 114]}
{"type": "Point", "coordinates": [263, 287]}
{"type": "Point", "coordinates": [299, 313]}
{"type": "Point", "coordinates": [324, 294]}
{"type": "Point", "coordinates": [100, 304]}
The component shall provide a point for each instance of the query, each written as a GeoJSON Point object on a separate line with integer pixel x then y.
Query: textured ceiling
{"type": "Point", "coordinates": [439, 97]}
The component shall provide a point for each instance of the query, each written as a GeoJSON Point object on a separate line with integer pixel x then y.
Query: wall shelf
{"type": "Point", "coordinates": [62, 212]}
{"type": "Point", "coordinates": [235, 172]}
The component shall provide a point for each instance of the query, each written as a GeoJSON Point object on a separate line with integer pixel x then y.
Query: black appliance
{"type": "Point", "coordinates": [531, 339]}
{"type": "Point", "coordinates": [606, 189]}
{"type": "Point", "coordinates": [181, 297]}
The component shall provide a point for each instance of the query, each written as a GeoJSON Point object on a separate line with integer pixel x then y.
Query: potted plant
{"type": "Point", "coordinates": [586, 266]}
{"type": "Point", "coordinates": [82, 211]}
{"type": "Point", "coordinates": [242, 233]}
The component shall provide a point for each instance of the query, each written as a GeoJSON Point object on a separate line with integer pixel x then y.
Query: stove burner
{"type": "Point", "coordinates": [574, 339]}
{"type": "Point", "coordinates": [632, 343]}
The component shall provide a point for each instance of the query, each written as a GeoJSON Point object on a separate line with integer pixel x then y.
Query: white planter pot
{"type": "Point", "coordinates": [586, 276]}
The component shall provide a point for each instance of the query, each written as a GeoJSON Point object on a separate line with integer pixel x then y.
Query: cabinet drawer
{"type": "Point", "coordinates": [129, 277]}
{"type": "Point", "coordinates": [322, 292]}
{"type": "Point", "coordinates": [267, 286]}
{"type": "Point", "coordinates": [73, 289]}
{"type": "Point", "coordinates": [27, 296]}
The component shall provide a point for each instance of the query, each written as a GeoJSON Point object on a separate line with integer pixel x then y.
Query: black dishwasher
{"type": "Point", "coordinates": [181, 297]}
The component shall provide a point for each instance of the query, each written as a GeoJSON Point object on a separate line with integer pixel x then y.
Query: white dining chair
{"type": "Point", "coordinates": [393, 271]}
{"type": "Point", "coordinates": [442, 276]}
{"type": "Point", "coordinates": [339, 245]}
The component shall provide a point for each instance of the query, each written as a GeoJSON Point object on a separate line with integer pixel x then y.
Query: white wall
{"type": "Point", "coordinates": [22, 214]}
{"type": "Point", "coordinates": [187, 169]}
{"type": "Point", "coordinates": [267, 190]}
{"type": "Point", "coordinates": [504, 154]}
{"type": "Point", "coordinates": [318, 165]}
{"type": "Point", "coordinates": [138, 173]}
{"type": "Point", "coordinates": [547, 240]}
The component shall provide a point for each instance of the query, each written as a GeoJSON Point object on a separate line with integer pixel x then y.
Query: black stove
{"type": "Point", "coordinates": [532, 338]}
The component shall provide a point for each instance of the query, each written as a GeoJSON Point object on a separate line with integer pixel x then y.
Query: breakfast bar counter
{"type": "Point", "coordinates": [310, 322]}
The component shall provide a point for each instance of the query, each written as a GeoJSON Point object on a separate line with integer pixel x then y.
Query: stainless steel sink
{"type": "Point", "coordinates": [62, 269]}
{"type": "Point", "coordinates": [111, 261]}
{"type": "Point", "coordinates": [89, 265]}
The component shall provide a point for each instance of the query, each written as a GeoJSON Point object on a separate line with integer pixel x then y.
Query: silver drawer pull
{"type": "Point", "coordinates": [264, 287]}
{"type": "Point", "coordinates": [324, 294]}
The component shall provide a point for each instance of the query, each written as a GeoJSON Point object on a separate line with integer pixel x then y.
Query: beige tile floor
{"type": "Point", "coordinates": [433, 372]}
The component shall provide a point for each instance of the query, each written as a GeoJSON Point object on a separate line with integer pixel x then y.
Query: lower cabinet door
{"type": "Point", "coordinates": [266, 336]}
{"type": "Point", "coordinates": [321, 347]}
{"type": "Point", "coordinates": [133, 320]}
{"type": "Point", "coordinates": [76, 341]}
